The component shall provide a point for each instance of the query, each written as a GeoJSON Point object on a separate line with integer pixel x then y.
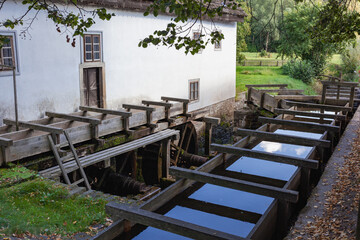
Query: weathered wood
{"type": "Point", "coordinates": [169, 224]}
{"type": "Point", "coordinates": [325, 127]}
{"type": "Point", "coordinates": [138, 107]}
{"type": "Point", "coordinates": [342, 84]}
{"type": "Point", "coordinates": [165, 157]}
{"type": "Point", "coordinates": [35, 126]}
{"type": "Point", "coordinates": [106, 111]}
{"type": "Point", "coordinates": [298, 97]}
{"type": "Point", "coordinates": [241, 185]}
{"type": "Point", "coordinates": [90, 120]}
{"type": "Point", "coordinates": [163, 104]}
{"type": "Point", "coordinates": [265, 85]}
{"type": "Point", "coordinates": [6, 142]}
{"type": "Point", "coordinates": [301, 162]}
{"type": "Point", "coordinates": [310, 114]}
{"type": "Point", "coordinates": [220, 210]}
{"type": "Point", "coordinates": [283, 138]}
{"type": "Point", "coordinates": [212, 120]}
{"type": "Point", "coordinates": [283, 91]}
{"type": "Point", "coordinates": [208, 133]}
{"type": "Point", "coordinates": [319, 106]}
{"type": "Point", "coordinates": [182, 100]}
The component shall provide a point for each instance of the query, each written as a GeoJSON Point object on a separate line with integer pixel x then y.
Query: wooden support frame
{"type": "Point", "coordinates": [308, 125]}
{"type": "Point", "coordinates": [184, 101]}
{"type": "Point", "coordinates": [319, 106]}
{"type": "Point", "coordinates": [209, 122]}
{"type": "Point", "coordinates": [310, 114]}
{"type": "Point", "coordinates": [35, 126]}
{"type": "Point", "coordinates": [283, 138]}
{"type": "Point", "coordinates": [169, 224]}
{"type": "Point", "coordinates": [341, 84]}
{"type": "Point", "coordinates": [166, 105]}
{"type": "Point", "coordinates": [6, 142]}
{"type": "Point", "coordinates": [301, 162]}
{"type": "Point", "coordinates": [283, 91]}
{"type": "Point", "coordinates": [165, 158]}
{"type": "Point", "coordinates": [148, 110]}
{"type": "Point", "coordinates": [106, 111]}
{"type": "Point", "coordinates": [261, 189]}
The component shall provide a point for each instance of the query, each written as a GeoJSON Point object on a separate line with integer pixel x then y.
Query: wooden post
{"type": "Point", "coordinates": [165, 158]}
{"type": "Point", "coordinates": [323, 95]}
{"type": "Point", "coordinates": [208, 132]}
{"type": "Point", "coordinates": [134, 164]}
{"type": "Point", "coordinates": [351, 100]}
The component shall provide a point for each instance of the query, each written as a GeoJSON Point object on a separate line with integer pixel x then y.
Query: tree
{"type": "Point", "coordinates": [186, 14]}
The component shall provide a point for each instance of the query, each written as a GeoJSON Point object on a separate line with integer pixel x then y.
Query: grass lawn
{"type": "Point", "coordinates": [38, 206]}
{"type": "Point", "coordinates": [267, 75]}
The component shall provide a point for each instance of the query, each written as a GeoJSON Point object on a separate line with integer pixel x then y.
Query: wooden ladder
{"type": "Point", "coordinates": [60, 160]}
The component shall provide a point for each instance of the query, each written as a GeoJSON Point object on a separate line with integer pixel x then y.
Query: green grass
{"type": "Point", "coordinates": [40, 207]}
{"type": "Point", "coordinates": [267, 75]}
{"type": "Point", "coordinates": [336, 59]}
{"type": "Point", "coordinates": [10, 176]}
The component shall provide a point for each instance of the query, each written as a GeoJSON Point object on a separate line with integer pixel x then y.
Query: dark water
{"type": "Point", "coordinates": [234, 198]}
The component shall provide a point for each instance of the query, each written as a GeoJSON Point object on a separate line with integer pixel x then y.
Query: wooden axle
{"type": "Point", "coordinates": [301, 162]}
{"type": "Point", "coordinates": [316, 126]}
{"type": "Point", "coordinates": [265, 190]}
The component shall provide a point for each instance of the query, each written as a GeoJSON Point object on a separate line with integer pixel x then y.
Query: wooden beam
{"type": "Point", "coordinates": [220, 210]}
{"type": "Point", "coordinates": [265, 85]}
{"type": "Point", "coordinates": [342, 84]}
{"type": "Point", "coordinates": [319, 106]}
{"type": "Point", "coordinates": [138, 107]}
{"type": "Point", "coordinates": [301, 162]}
{"type": "Point", "coordinates": [6, 142]}
{"type": "Point", "coordinates": [283, 138]}
{"type": "Point", "coordinates": [282, 91]}
{"type": "Point", "coordinates": [298, 97]}
{"type": "Point", "coordinates": [211, 120]}
{"type": "Point", "coordinates": [163, 104]}
{"type": "Point", "coordinates": [35, 126]}
{"type": "Point", "coordinates": [265, 190]}
{"type": "Point", "coordinates": [310, 114]}
{"type": "Point", "coordinates": [308, 125]}
{"type": "Point", "coordinates": [168, 224]}
{"type": "Point", "coordinates": [106, 111]}
{"type": "Point", "coordinates": [182, 100]}
{"type": "Point", "coordinates": [93, 121]}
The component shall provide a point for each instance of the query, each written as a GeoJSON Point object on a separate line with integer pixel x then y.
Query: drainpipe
{"type": "Point", "coordinates": [15, 94]}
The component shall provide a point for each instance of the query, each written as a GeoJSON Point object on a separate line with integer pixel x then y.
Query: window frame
{"type": "Point", "coordinates": [92, 34]}
{"type": "Point", "coordinates": [191, 82]}
{"type": "Point", "coordinates": [14, 52]}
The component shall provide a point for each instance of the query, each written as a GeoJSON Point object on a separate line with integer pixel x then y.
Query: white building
{"type": "Point", "coordinates": [54, 76]}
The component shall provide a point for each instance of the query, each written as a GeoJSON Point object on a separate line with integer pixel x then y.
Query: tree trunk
{"type": "Point", "coordinates": [267, 42]}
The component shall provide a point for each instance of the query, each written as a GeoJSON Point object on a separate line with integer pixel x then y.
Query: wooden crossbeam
{"type": "Point", "coordinates": [282, 91]}
{"type": "Point", "coordinates": [342, 84]}
{"type": "Point", "coordinates": [163, 104]}
{"type": "Point", "coordinates": [6, 142]}
{"type": "Point", "coordinates": [183, 100]}
{"type": "Point", "coordinates": [283, 138]}
{"type": "Point", "coordinates": [211, 120]}
{"type": "Point", "coordinates": [106, 111]}
{"type": "Point", "coordinates": [298, 97]}
{"type": "Point", "coordinates": [319, 106]}
{"type": "Point", "coordinates": [307, 125]}
{"type": "Point", "coordinates": [310, 114]}
{"type": "Point", "coordinates": [138, 107]}
{"type": "Point", "coordinates": [93, 121]}
{"type": "Point", "coordinates": [280, 158]}
{"type": "Point", "coordinates": [168, 224]}
{"type": "Point", "coordinates": [35, 126]}
{"type": "Point", "coordinates": [220, 210]}
{"type": "Point", "coordinates": [261, 189]}
{"type": "Point", "coordinates": [265, 85]}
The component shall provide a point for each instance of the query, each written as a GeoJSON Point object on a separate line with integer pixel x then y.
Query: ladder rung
{"type": "Point", "coordinates": [78, 181]}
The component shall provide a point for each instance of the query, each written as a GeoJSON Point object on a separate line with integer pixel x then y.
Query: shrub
{"type": "Point", "coordinates": [241, 58]}
{"type": "Point", "coordinates": [301, 70]}
{"type": "Point", "coordinates": [263, 53]}
{"type": "Point", "coordinates": [350, 63]}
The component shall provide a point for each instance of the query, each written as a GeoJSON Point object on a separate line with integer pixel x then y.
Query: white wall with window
{"type": "Point", "coordinates": [49, 68]}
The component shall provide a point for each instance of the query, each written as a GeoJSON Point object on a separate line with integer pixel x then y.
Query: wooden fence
{"type": "Point", "coordinates": [264, 62]}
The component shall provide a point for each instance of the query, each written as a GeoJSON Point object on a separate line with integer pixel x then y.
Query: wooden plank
{"type": "Point", "coordinates": [283, 138]}
{"type": "Point", "coordinates": [90, 120]}
{"type": "Point", "coordinates": [163, 104]}
{"type": "Point", "coordinates": [6, 142]}
{"type": "Point", "coordinates": [106, 111]}
{"type": "Point", "coordinates": [325, 127]}
{"type": "Point", "coordinates": [240, 185]}
{"type": "Point", "coordinates": [301, 162]}
{"type": "Point", "coordinates": [310, 114]}
{"type": "Point", "coordinates": [319, 106]}
{"type": "Point", "coordinates": [265, 85]}
{"type": "Point", "coordinates": [298, 97]}
{"type": "Point", "coordinates": [220, 210]}
{"type": "Point", "coordinates": [283, 91]}
{"type": "Point", "coordinates": [342, 84]}
{"type": "Point", "coordinates": [182, 100]}
{"type": "Point", "coordinates": [35, 126]}
{"type": "Point", "coordinates": [138, 107]}
{"type": "Point", "coordinates": [168, 224]}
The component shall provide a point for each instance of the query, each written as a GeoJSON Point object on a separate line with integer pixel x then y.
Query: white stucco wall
{"type": "Point", "coordinates": [49, 78]}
